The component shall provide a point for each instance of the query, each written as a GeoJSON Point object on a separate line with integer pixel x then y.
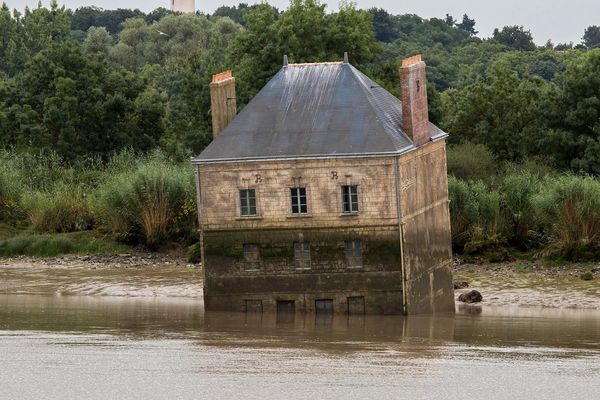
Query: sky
{"type": "Point", "coordinates": [559, 20]}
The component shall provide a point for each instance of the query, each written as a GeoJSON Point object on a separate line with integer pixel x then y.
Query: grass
{"type": "Point", "coordinates": [44, 245]}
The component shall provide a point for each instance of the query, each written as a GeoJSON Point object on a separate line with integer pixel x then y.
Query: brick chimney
{"type": "Point", "coordinates": [415, 113]}
{"type": "Point", "coordinates": [222, 101]}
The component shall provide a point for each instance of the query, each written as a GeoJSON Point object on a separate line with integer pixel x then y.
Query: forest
{"type": "Point", "coordinates": [100, 111]}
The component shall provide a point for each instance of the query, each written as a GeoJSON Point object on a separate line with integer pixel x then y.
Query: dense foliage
{"type": "Point", "coordinates": [77, 86]}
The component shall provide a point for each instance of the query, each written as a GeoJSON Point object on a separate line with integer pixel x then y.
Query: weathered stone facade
{"type": "Point", "coordinates": [389, 254]}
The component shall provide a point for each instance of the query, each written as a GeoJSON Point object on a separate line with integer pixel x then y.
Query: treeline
{"type": "Point", "coordinates": [92, 81]}
{"type": "Point", "coordinates": [79, 87]}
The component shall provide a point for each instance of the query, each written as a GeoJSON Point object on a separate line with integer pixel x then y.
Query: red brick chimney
{"type": "Point", "coordinates": [222, 101]}
{"type": "Point", "coordinates": [415, 113]}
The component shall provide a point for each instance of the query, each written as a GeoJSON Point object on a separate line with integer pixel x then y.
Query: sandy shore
{"type": "Point", "coordinates": [530, 284]}
{"type": "Point", "coordinates": [147, 275]}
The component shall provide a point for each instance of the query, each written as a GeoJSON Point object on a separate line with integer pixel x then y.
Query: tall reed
{"type": "Point", "coordinates": [152, 203]}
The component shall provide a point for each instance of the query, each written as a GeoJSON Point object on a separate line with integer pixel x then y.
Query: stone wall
{"type": "Point", "coordinates": [426, 229]}
{"type": "Point", "coordinates": [322, 178]}
{"type": "Point", "coordinates": [231, 281]}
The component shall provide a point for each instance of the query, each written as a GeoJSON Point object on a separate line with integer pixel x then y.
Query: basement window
{"type": "Point", "coordinates": [299, 205]}
{"type": "Point", "coordinates": [251, 257]}
{"type": "Point", "coordinates": [350, 199]}
{"type": "Point", "coordinates": [354, 253]}
{"type": "Point", "coordinates": [302, 255]}
{"type": "Point", "coordinates": [248, 203]}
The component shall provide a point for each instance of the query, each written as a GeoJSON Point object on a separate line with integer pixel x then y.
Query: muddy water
{"type": "Point", "coordinates": [142, 334]}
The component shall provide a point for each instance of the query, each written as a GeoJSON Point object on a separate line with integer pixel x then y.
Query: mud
{"type": "Point", "coordinates": [530, 284]}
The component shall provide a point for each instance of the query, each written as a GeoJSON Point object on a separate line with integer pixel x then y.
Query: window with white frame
{"type": "Point", "coordinates": [248, 202]}
{"type": "Point", "coordinates": [350, 199]}
{"type": "Point", "coordinates": [299, 203]}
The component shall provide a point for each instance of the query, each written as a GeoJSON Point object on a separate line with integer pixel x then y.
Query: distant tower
{"type": "Point", "coordinates": [185, 6]}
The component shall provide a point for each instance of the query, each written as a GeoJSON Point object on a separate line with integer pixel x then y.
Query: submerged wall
{"type": "Point", "coordinates": [417, 181]}
{"type": "Point", "coordinates": [426, 230]}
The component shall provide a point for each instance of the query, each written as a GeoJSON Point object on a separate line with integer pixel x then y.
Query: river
{"type": "Point", "coordinates": [147, 344]}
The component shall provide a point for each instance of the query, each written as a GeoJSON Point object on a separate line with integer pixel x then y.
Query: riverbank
{"type": "Point", "coordinates": [519, 283]}
{"type": "Point", "coordinates": [530, 284]}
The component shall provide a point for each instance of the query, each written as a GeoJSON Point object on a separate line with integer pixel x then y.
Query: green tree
{"type": "Point", "coordinates": [514, 37]}
{"type": "Point", "coordinates": [591, 37]}
{"type": "Point", "coordinates": [467, 24]}
{"type": "Point", "coordinates": [575, 116]}
{"type": "Point", "coordinates": [502, 112]}
{"type": "Point", "coordinates": [98, 40]}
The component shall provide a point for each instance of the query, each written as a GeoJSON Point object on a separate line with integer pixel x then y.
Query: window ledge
{"type": "Point", "coordinates": [299, 216]}
{"type": "Point", "coordinates": [303, 269]}
{"type": "Point", "coordinates": [252, 270]}
{"type": "Point", "coordinates": [355, 267]}
{"type": "Point", "coordinates": [349, 214]}
{"type": "Point", "coordinates": [253, 218]}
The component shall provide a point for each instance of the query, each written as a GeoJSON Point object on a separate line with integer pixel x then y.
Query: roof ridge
{"type": "Point", "coordinates": [315, 64]}
{"type": "Point", "coordinates": [392, 126]}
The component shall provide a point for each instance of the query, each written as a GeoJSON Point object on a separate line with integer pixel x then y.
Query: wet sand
{"type": "Point", "coordinates": [507, 284]}
{"type": "Point", "coordinates": [146, 275]}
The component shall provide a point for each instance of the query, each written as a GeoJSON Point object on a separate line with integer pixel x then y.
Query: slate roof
{"type": "Point", "coordinates": [312, 111]}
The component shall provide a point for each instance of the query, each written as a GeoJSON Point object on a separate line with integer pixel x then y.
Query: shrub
{"type": "Point", "coordinates": [570, 208]}
{"type": "Point", "coordinates": [54, 245]}
{"type": "Point", "coordinates": [64, 209]}
{"type": "Point", "coordinates": [587, 276]}
{"type": "Point", "coordinates": [474, 211]}
{"type": "Point", "coordinates": [194, 253]}
{"type": "Point", "coordinates": [519, 220]}
{"type": "Point", "coordinates": [471, 161]}
{"type": "Point", "coordinates": [153, 203]}
{"type": "Point", "coordinates": [11, 187]}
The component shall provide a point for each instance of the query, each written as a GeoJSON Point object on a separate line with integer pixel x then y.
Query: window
{"type": "Point", "coordinates": [247, 202]}
{"type": "Point", "coordinates": [251, 252]}
{"type": "Point", "coordinates": [302, 255]}
{"type": "Point", "coordinates": [324, 306]}
{"type": "Point", "coordinates": [299, 200]}
{"type": "Point", "coordinates": [354, 253]}
{"type": "Point", "coordinates": [251, 257]}
{"type": "Point", "coordinates": [356, 305]}
{"type": "Point", "coordinates": [350, 199]}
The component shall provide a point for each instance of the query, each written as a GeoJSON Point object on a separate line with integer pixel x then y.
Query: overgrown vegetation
{"type": "Point", "coordinates": [101, 109]}
{"type": "Point", "coordinates": [138, 199]}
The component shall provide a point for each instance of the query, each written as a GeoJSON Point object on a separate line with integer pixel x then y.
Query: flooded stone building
{"type": "Point", "coordinates": [325, 193]}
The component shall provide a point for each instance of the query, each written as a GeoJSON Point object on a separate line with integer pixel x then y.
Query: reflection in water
{"type": "Point", "coordinates": [104, 347]}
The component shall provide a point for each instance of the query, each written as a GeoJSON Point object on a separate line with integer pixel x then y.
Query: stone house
{"type": "Point", "coordinates": [325, 193]}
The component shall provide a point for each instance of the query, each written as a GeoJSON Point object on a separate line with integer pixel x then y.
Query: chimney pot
{"type": "Point", "coordinates": [345, 57]}
{"type": "Point", "coordinates": [285, 61]}
{"type": "Point", "coordinates": [415, 112]}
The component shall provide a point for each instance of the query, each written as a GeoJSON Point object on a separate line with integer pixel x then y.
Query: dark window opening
{"type": "Point", "coordinates": [302, 255]}
{"type": "Point", "coordinates": [299, 204]}
{"type": "Point", "coordinates": [354, 253]}
{"type": "Point", "coordinates": [350, 199]}
{"type": "Point", "coordinates": [286, 306]}
{"type": "Point", "coordinates": [324, 306]}
{"type": "Point", "coordinates": [247, 202]}
{"type": "Point", "coordinates": [356, 305]}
